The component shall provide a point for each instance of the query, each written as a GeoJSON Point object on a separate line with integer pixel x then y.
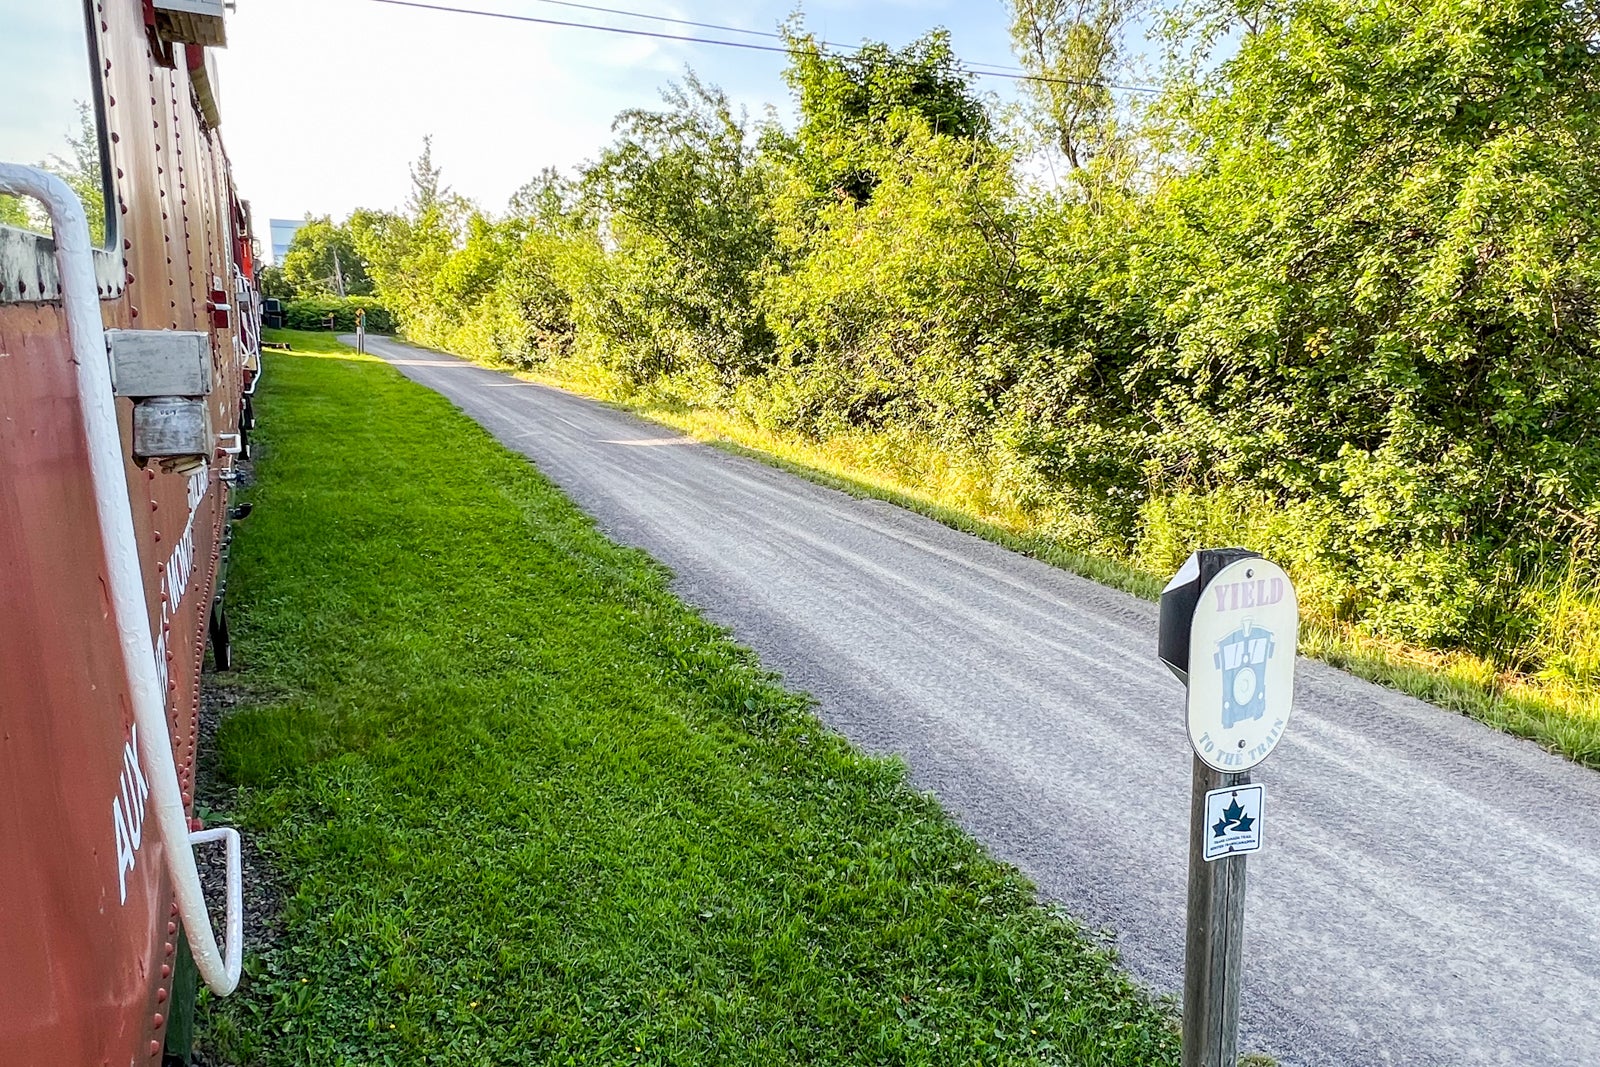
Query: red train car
{"type": "Point", "coordinates": [128, 347]}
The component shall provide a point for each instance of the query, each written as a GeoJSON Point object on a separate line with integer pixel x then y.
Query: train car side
{"type": "Point", "coordinates": [91, 931]}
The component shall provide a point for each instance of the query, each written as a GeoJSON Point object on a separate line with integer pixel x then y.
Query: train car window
{"type": "Point", "coordinates": [52, 110]}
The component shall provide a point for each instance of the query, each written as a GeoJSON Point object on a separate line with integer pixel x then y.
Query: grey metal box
{"type": "Point", "coordinates": [168, 426]}
{"type": "Point", "coordinates": [159, 362]}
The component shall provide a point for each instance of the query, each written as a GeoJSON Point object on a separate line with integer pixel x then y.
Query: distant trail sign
{"type": "Point", "coordinates": [1246, 630]}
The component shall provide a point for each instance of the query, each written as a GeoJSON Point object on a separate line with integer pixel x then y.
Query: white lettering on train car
{"type": "Point", "coordinates": [127, 811]}
{"type": "Point", "coordinates": [180, 569]}
{"type": "Point", "coordinates": [128, 808]}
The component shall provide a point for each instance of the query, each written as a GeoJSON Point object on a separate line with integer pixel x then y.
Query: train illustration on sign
{"type": "Point", "coordinates": [1242, 658]}
{"type": "Point", "coordinates": [129, 352]}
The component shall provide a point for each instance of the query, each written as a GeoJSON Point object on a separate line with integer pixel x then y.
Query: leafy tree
{"type": "Point", "coordinates": [428, 191]}
{"type": "Point", "coordinates": [14, 212]}
{"type": "Point", "coordinates": [551, 202]}
{"type": "Point", "coordinates": [847, 101]}
{"type": "Point", "coordinates": [323, 258]}
{"type": "Point", "coordinates": [1371, 296]}
{"type": "Point", "coordinates": [270, 281]}
{"type": "Point", "coordinates": [404, 252]}
{"type": "Point", "coordinates": [1071, 48]}
{"type": "Point", "coordinates": [682, 204]}
{"type": "Point", "coordinates": [901, 311]}
{"type": "Point", "coordinates": [83, 172]}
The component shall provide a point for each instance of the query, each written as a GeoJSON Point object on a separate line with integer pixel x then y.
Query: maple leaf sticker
{"type": "Point", "coordinates": [1233, 818]}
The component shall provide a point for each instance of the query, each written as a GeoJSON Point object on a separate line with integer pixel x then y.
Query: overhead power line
{"type": "Point", "coordinates": [625, 13]}
{"type": "Point", "coordinates": [749, 46]}
{"type": "Point", "coordinates": [717, 26]}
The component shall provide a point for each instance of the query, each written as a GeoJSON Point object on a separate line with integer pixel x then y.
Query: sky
{"type": "Point", "coordinates": [325, 102]}
{"type": "Point", "coordinates": [44, 73]}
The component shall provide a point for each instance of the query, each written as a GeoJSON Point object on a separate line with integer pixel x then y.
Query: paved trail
{"type": "Point", "coordinates": [1430, 890]}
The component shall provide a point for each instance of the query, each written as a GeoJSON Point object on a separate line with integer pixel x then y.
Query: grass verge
{"type": "Point", "coordinates": [529, 808]}
{"type": "Point", "coordinates": [1561, 717]}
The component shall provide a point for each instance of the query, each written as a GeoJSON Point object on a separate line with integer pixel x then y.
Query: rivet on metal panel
{"type": "Point", "coordinates": [116, 138]}
{"type": "Point", "coordinates": [133, 313]}
{"type": "Point", "coordinates": [167, 948]}
{"type": "Point", "coordinates": [155, 1048]}
{"type": "Point", "coordinates": [158, 1020]}
{"type": "Point", "coordinates": [166, 968]}
{"type": "Point", "coordinates": [172, 928]}
{"type": "Point", "coordinates": [161, 994]}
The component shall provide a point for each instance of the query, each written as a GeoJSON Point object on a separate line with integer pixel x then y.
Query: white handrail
{"type": "Point", "coordinates": [233, 935]}
{"type": "Point", "coordinates": [81, 302]}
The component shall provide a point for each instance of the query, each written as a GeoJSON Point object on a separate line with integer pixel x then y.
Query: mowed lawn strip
{"type": "Point", "coordinates": [529, 808]}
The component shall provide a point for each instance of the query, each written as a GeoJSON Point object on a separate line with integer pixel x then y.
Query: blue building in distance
{"type": "Point", "coordinates": [282, 231]}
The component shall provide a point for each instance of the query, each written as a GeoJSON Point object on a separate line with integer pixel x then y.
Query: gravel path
{"type": "Point", "coordinates": [1429, 893]}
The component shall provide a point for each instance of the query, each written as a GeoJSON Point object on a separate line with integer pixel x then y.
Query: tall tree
{"type": "Point", "coordinates": [427, 182]}
{"type": "Point", "coordinates": [1071, 48]}
{"type": "Point", "coordinates": [323, 259]}
{"type": "Point", "coordinates": [683, 204]}
{"type": "Point", "coordinates": [848, 101]}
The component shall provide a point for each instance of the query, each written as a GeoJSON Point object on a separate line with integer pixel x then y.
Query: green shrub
{"type": "Point", "coordinates": [312, 313]}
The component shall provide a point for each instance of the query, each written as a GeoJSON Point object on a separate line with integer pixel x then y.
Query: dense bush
{"type": "Point", "coordinates": [313, 312]}
{"type": "Point", "coordinates": [1335, 297]}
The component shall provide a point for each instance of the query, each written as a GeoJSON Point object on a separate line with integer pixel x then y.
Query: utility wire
{"type": "Point", "coordinates": [747, 45]}
{"type": "Point", "coordinates": [730, 29]}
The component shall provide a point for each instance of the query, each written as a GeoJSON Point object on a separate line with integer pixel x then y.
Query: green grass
{"type": "Point", "coordinates": [527, 808]}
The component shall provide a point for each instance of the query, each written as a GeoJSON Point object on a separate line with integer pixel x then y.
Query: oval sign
{"type": "Point", "coordinates": [1241, 664]}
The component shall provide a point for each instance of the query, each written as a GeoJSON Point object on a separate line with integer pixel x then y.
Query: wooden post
{"type": "Point", "coordinates": [1213, 950]}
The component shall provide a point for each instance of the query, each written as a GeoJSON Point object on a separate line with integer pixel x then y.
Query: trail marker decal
{"type": "Point", "coordinates": [1233, 821]}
